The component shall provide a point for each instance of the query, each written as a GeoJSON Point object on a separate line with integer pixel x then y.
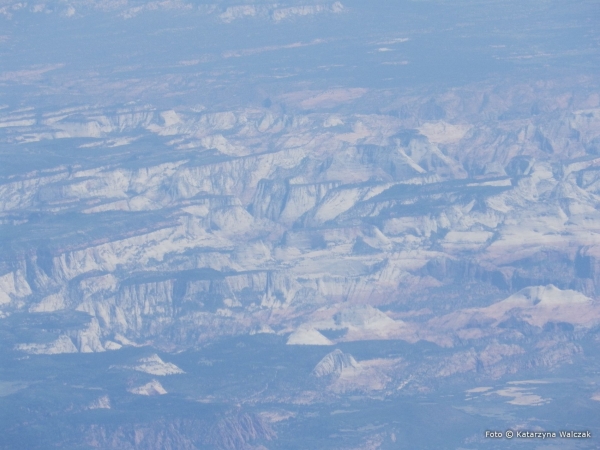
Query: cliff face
{"type": "Point", "coordinates": [310, 224]}
{"type": "Point", "coordinates": [288, 214]}
{"type": "Point", "coordinates": [232, 432]}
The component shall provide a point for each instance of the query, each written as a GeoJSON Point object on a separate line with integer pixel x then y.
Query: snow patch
{"type": "Point", "coordinates": [307, 336]}
{"type": "Point", "coordinates": [100, 403]}
{"type": "Point", "coordinates": [520, 396]}
{"type": "Point", "coordinates": [332, 121]}
{"type": "Point", "coordinates": [478, 390]}
{"type": "Point", "coordinates": [443, 132]}
{"type": "Point", "coordinates": [111, 345]}
{"type": "Point", "coordinates": [151, 388]}
{"type": "Point", "coordinates": [51, 303]}
{"type": "Point", "coordinates": [124, 341]}
{"type": "Point", "coordinates": [63, 344]}
{"type": "Point", "coordinates": [154, 365]}
{"type": "Point", "coordinates": [333, 364]}
{"type": "Point", "coordinates": [364, 317]}
{"type": "Point", "coordinates": [237, 12]}
{"type": "Point", "coordinates": [264, 329]}
{"type": "Point", "coordinates": [13, 284]}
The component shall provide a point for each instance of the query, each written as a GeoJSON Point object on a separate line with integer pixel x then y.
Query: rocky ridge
{"type": "Point", "coordinates": [296, 220]}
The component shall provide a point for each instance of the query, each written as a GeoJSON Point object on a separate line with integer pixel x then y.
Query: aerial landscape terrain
{"type": "Point", "coordinates": [299, 225]}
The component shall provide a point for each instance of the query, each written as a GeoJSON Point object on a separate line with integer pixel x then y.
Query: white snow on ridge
{"type": "Point", "coordinates": [63, 344]}
{"type": "Point", "coordinates": [86, 340]}
{"type": "Point", "coordinates": [539, 297]}
{"type": "Point", "coordinates": [100, 403]}
{"type": "Point", "coordinates": [51, 303]}
{"type": "Point", "coordinates": [362, 322]}
{"type": "Point", "coordinates": [311, 173]}
{"type": "Point", "coordinates": [364, 317]}
{"type": "Point", "coordinates": [153, 365]}
{"type": "Point", "coordinates": [111, 345]}
{"type": "Point", "coordinates": [345, 374]}
{"type": "Point", "coordinates": [443, 132]}
{"type": "Point", "coordinates": [13, 284]}
{"type": "Point", "coordinates": [334, 363]}
{"type": "Point", "coordinates": [520, 396]}
{"type": "Point", "coordinates": [151, 388]}
{"type": "Point", "coordinates": [306, 10]}
{"type": "Point", "coordinates": [307, 336]}
{"type": "Point", "coordinates": [535, 305]}
{"type": "Point", "coordinates": [276, 14]}
{"type": "Point", "coordinates": [122, 340]}
{"type": "Point", "coordinates": [237, 12]}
